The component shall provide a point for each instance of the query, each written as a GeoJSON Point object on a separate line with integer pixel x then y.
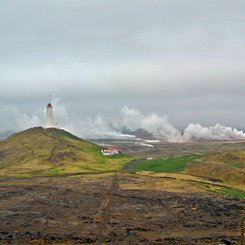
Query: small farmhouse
{"type": "Point", "coordinates": [111, 151]}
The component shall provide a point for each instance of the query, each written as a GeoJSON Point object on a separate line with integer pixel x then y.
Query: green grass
{"type": "Point", "coordinates": [169, 165]}
{"type": "Point", "coordinates": [39, 151]}
{"type": "Point", "coordinates": [63, 133]}
{"type": "Point", "coordinates": [54, 171]}
{"type": "Point", "coordinates": [236, 165]}
{"type": "Point", "coordinates": [229, 192]}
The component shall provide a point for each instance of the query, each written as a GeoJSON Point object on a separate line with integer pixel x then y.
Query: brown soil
{"type": "Point", "coordinates": [105, 209]}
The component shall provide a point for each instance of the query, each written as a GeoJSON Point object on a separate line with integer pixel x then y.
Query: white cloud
{"type": "Point", "coordinates": [153, 55]}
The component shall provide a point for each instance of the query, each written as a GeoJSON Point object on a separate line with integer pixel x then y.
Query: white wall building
{"type": "Point", "coordinates": [111, 151]}
{"type": "Point", "coordinates": [49, 122]}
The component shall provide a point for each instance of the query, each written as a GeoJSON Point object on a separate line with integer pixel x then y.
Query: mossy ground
{"type": "Point", "coordinates": [169, 165]}
{"type": "Point", "coordinates": [41, 151]}
{"type": "Point", "coordinates": [229, 192]}
{"type": "Point", "coordinates": [215, 169]}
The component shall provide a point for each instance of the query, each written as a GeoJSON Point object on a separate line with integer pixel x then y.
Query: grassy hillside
{"type": "Point", "coordinates": [39, 151]}
{"type": "Point", "coordinates": [226, 166]}
{"type": "Point", "coordinates": [168, 165]}
{"type": "Point", "coordinates": [219, 170]}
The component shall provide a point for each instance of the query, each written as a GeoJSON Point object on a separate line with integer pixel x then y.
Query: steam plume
{"type": "Point", "coordinates": [159, 126]}
{"type": "Point", "coordinates": [127, 120]}
{"type": "Point", "coordinates": [217, 132]}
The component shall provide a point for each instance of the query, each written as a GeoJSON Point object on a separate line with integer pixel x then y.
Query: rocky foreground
{"type": "Point", "coordinates": [101, 209]}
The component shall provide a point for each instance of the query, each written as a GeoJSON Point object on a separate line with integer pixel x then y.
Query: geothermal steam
{"type": "Point", "coordinates": [131, 120]}
{"type": "Point", "coordinates": [128, 120]}
{"type": "Point", "coordinates": [217, 132]}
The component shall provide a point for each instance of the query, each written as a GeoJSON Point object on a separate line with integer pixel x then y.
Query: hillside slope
{"type": "Point", "coordinates": [39, 151]}
{"type": "Point", "coordinates": [226, 166]}
{"type": "Point", "coordinates": [214, 172]}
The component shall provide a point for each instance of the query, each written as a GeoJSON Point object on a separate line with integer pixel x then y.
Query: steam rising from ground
{"type": "Point", "coordinates": [130, 120]}
{"type": "Point", "coordinates": [217, 132]}
{"type": "Point", "coordinates": [123, 125]}
{"type": "Point", "coordinates": [158, 126]}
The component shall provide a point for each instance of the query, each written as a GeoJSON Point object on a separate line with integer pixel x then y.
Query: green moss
{"type": "Point", "coordinates": [169, 165]}
{"type": "Point", "coordinates": [60, 133]}
{"type": "Point", "coordinates": [236, 165]}
{"type": "Point", "coordinates": [54, 171]}
{"type": "Point", "coordinates": [229, 192]}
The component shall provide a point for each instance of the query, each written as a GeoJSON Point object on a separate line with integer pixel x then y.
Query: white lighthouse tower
{"type": "Point", "coordinates": [49, 117]}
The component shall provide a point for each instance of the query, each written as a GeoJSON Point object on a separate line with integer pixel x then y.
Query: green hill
{"type": "Point", "coordinates": [39, 151]}
{"type": "Point", "coordinates": [225, 168]}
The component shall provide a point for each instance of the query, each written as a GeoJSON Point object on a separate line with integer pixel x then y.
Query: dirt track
{"type": "Point", "coordinates": [100, 209]}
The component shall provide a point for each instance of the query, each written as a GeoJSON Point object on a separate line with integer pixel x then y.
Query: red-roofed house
{"type": "Point", "coordinates": [111, 151]}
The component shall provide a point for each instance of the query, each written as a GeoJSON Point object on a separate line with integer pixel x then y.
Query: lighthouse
{"type": "Point", "coordinates": [49, 117]}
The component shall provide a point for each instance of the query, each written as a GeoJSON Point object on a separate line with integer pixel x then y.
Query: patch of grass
{"type": "Point", "coordinates": [117, 162]}
{"type": "Point", "coordinates": [169, 165]}
{"type": "Point", "coordinates": [229, 192]}
{"type": "Point", "coordinates": [236, 165]}
{"type": "Point", "coordinates": [54, 171]}
{"type": "Point", "coordinates": [62, 133]}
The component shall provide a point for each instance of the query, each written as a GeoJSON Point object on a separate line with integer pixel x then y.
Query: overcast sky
{"type": "Point", "coordinates": [180, 58]}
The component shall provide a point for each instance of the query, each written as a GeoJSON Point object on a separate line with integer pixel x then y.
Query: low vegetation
{"type": "Point", "coordinates": [225, 169]}
{"type": "Point", "coordinates": [229, 192]}
{"type": "Point", "coordinates": [228, 167]}
{"type": "Point", "coordinates": [39, 151]}
{"type": "Point", "coordinates": [55, 152]}
{"type": "Point", "coordinates": [169, 165]}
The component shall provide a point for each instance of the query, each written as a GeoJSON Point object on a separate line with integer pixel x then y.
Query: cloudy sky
{"type": "Point", "coordinates": [180, 58]}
